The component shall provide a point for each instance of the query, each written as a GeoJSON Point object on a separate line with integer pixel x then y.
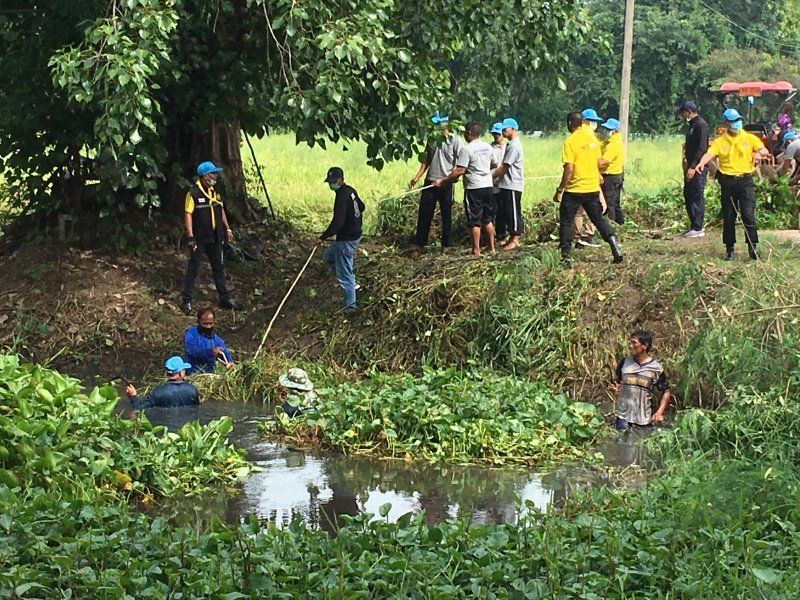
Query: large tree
{"type": "Point", "coordinates": [147, 88]}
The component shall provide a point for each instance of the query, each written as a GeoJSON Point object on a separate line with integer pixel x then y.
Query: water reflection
{"type": "Point", "coordinates": [323, 488]}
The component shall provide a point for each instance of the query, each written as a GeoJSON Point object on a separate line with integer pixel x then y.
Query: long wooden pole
{"type": "Point", "coordinates": [627, 60]}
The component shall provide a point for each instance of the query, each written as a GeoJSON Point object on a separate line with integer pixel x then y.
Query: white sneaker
{"type": "Point", "coordinates": [694, 233]}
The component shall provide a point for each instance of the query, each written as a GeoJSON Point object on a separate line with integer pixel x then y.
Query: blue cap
{"type": "Point", "coordinates": [438, 119]}
{"type": "Point", "coordinates": [732, 115]}
{"type": "Point", "coordinates": [204, 168]}
{"type": "Point", "coordinates": [175, 364]}
{"type": "Point", "coordinates": [509, 122]}
{"type": "Point", "coordinates": [496, 128]}
{"type": "Point", "coordinates": [790, 135]}
{"type": "Point", "coordinates": [611, 124]}
{"type": "Point", "coordinates": [590, 114]}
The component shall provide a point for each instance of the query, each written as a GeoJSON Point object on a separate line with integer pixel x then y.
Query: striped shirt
{"type": "Point", "coordinates": [637, 383]}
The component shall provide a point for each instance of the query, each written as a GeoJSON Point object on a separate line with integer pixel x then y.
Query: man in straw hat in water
{"type": "Point", "coordinates": [300, 391]}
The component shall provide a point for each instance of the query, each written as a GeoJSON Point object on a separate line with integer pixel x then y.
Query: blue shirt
{"type": "Point", "coordinates": [168, 395]}
{"type": "Point", "coordinates": [200, 350]}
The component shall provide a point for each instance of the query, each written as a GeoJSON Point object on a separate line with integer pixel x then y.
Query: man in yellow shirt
{"type": "Point", "coordinates": [613, 163]}
{"type": "Point", "coordinates": [580, 183]}
{"type": "Point", "coordinates": [737, 151]}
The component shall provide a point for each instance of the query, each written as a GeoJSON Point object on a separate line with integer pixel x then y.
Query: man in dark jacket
{"type": "Point", "coordinates": [346, 226]}
{"type": "Point", "coordinates": [207, 230]}
{"type": "Point", "coordinates": [172, 394]}
{"type": "Point", "coordinates": [694, 181]}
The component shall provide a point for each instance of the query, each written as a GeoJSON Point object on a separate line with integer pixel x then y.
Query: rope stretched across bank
{"type": "Point", "coordinates": [280, 306]}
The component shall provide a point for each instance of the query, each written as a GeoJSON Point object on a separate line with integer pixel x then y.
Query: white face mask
{"type": "Point", "coordinates": [212, 182]}
{"type": "Point", "coordinates": [593, 125]}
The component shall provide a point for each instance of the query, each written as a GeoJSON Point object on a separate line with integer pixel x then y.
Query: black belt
{"type": "Point", "coordinates": [736, 176]}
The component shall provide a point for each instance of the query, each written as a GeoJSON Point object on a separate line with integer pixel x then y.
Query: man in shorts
{"type": "Point", "coordinates": [637, 376]}
{"type": "Point", "coordinates": [475, 163]}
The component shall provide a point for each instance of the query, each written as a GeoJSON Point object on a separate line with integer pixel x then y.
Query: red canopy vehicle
{"type": "Point", "coordinates": [782, 91]}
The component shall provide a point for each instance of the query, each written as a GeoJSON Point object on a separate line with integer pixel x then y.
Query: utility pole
{"type": "Point", "coordinates": [627, 59]}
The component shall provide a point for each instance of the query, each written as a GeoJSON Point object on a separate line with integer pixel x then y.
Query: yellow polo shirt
{"type": "Point", "coordinates": [614, 154]}
{"type": "Point", "coordinates": [582, 150]}
{"type": "Point", "coordinates": [735, 153]}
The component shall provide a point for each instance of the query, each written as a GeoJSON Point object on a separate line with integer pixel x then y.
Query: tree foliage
{"type": "Point", "coordinates": [149, 87]}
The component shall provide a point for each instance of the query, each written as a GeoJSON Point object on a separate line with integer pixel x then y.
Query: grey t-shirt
{"type": "Point", "coordinates": [498, 152]}
{"type": "Point", "coordinates": [514, 178]}
{"type": "Point", "coordinates": [792, 150]}
{"type": "Point", "coordinates": [636, 385]}
{"type": "Point", "coordinates": [444, 157]}
{"type": "Point", "coordinates": [477, 158]}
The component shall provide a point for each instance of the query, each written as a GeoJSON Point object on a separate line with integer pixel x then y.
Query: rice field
{"type": "Point", "coordinates": [294, 173]}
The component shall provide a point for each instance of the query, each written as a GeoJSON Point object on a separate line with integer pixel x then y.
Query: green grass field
{"type": "Point", "coordinates": [294, 173]}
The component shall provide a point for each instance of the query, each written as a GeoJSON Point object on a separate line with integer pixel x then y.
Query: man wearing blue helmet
{"type": "Point", "coordinates": [207, 229]}
{"type": "Point", "coordinates": [581, 157]}
{"type": "Point", "coordinates": [174, 393]}
{"type": "Point", "coordinates": [791, 156]}
{"type": "Point", "coordinates": [440, 160]}
{"type": "Point", "coordinates": [737, 151]}
{"type": "Point", "coordinates": [511, 181]}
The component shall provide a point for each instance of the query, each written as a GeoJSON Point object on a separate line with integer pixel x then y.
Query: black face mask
{"type": "Point", "coordinates": [206, 331]}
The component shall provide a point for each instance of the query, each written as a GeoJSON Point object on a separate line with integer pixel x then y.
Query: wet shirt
{"type": "Point", "coordinates": [476, 157]}
{"type": "Point", "coordinates": [348, 211]}
{"type": "Point", "coordinates": [696, 142]}
{"type": "Point", "coordinates": [442, 160]}
{"type": "Point", "coordinates": [614, 153]}
{"type": "Point", "coordinates": [514, 177]}
{"type": "Point", "coordinates": [735, 153]}
{"type": "Point", "coordinates": [636, 385]}
{"type": "Point", "coordinates": [200, 350]}
{"type": "Point", "coordinates": [582, 150]}
{"type": "Point", "coordinates": [171, 394]}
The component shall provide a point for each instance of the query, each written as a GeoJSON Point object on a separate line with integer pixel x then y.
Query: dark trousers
{"type": "Point", "coordinates": [213, 250]}
{"type": "Point", "coordinates": [738, 200]}
{"type": "Point", "coordinates": [570, 203]}
{"type": "Point", "coordinates": [509, 214]}
{"type": "Point", "coordinates": [427, 206]}
{"type": "Point", "coordinates": [612, 190]}
{"type": "Point", "coordinates": [694, 197]}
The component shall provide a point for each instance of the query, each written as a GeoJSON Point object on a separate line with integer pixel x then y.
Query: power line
{"type": "Point", "coordinates": [747, 31]}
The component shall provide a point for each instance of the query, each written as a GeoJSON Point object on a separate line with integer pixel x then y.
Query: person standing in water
{"type": "Point", "coordinates": [637, 376]}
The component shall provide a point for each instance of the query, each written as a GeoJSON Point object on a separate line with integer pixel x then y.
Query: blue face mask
{"type": "Point", "coordinates": [736, 126]}
{"type": "Point", "coordinates": [334, 186]}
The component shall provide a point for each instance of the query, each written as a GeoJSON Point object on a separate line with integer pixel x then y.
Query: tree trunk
{"type": "Point", "coordinates": [221, 144]}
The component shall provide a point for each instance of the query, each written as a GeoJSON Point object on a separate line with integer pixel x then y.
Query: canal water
{"type": "Point", "coordinates": [321, 488]}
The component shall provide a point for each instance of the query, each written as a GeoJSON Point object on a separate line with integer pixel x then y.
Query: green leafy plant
{"type": "Point", "coordinates": [448, 414]}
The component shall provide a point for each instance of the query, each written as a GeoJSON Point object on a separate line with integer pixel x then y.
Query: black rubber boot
{"type": "Point", "coordinates": [615, 250]}
{"type": "Point", "coordinates": [752, 251]}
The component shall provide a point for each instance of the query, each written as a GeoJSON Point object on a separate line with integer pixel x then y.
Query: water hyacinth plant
{"type": "Point", "coordinates": [447, 414]}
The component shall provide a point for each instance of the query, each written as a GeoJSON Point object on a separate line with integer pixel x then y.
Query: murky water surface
{"type": "Point", "coordinates": [320, 488]}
